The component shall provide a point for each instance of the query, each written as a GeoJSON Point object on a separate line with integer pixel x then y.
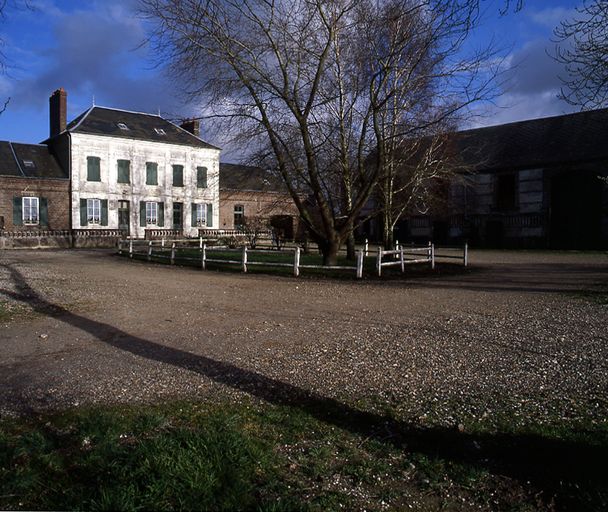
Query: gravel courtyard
{"type": "Point", "coordinates": [518, 334]}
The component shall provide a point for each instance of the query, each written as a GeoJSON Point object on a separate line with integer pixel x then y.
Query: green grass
{"type": "Point", "coordinates": [224, 455]}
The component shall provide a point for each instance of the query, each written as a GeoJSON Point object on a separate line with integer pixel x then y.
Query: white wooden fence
{"type": "Point", "coordinates": [406, 255]}
{"type": "Point", "coordinates": [146, 247]}
{"type": "Point", "coordinates": [402, 256]}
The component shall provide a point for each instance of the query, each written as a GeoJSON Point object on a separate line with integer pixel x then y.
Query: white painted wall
{"type": "Point", "coordinates": [111, 149]}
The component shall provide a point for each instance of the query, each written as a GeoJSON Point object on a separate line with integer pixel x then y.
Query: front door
{"type": "Point", "coordinates": [178, 215]}
{"type": "Point", "coordinates": [123, 216]}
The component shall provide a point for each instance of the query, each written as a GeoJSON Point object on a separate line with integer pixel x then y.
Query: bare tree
{"type": "Point", "coordinates": [313, 86]}
{"type": "Point", "coordinates": [583, 49]}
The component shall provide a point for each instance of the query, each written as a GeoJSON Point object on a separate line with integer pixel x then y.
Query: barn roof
{"type": "Point", "coordinates": [564, 139]}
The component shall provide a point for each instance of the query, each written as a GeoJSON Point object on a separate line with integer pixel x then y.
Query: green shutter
{"type": "Point", "coordinates": [93, 168]}
{"type": "Point", "coordinates": [43, 212]}
{"type": "Point", "coordinates": [209, 215]}
{"type": "Point", "coordinates": [178, 175]}
{"type": "Point", "coordinates": [201, 177]}
{"type": "Point", "coordinates": [193, 224]}
{"type": "Point", "coordinates": [151, 173]}
{"type": "Point", "coordinates": [124, 175]}
{"type": "Point", "coordinates": [83, 212]}
{"type": "Point", "coordinates": [161, 215]}
{"type": "Point", "coordinates": [17, 211]}
{"type": "Point", "coordinates": [142, 214]}
{"type": "Point", "coordinates": [104, 212]}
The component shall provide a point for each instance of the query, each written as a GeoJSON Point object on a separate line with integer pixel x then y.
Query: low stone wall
{"type": "Point", "coordinates": [35, 239]}
{"type": "Point", "coordinates": [96, 238]}
{"type": "Point", "coordinates": [64, 239]}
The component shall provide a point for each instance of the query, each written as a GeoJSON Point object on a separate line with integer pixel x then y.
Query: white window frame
{"type": "Point", "coordinates": [151, 213]}
{"type": "Point", "coordinates": [30, 214]}
{"type": "Point", "coordinates": [94, 211]}
{"type": "Point", "coordinates": [239, 209]}
{"type": "Point", "coordinates": [201, 214]}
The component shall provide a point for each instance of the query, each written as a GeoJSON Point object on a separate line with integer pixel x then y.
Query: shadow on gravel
{"type": "Point", "coordinates": [554, 466]}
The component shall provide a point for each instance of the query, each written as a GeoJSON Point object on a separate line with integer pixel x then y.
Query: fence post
{"type": "Point", "coordinates": [200, 242]}
{"type": "Point", "coordinates": [244, 258]}
{"type": "Point", "coordinates": [366, 247]}
{"type": "Point", "coordinates": [150, 250]}
{"type": "Point", "coordinates": [173, 253]}
{"type": "Point", "coordinates": [296, 262]}
{"type": "Point", "coordinates": [162, 242]}
{"type": "Point", "coordinates": [359, 264]}
{"type": "Point", "coordinates": [131, 248]}
{"type": "Point", "coordinates": [120, 247]}
{"type": "Point", "coordinates": [379, 262]}
{"type": "Point", "coordinates": [402, 260]}
{"type": "Point", "coordinates": [466, 254]}
{"type": "Point", "coordinates": [432, 256]}
{"type": "Point", "coordinates": [204, 256]}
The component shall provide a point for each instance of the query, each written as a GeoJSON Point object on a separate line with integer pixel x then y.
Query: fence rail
{"type": "Point", "coordinates": [402, 256]}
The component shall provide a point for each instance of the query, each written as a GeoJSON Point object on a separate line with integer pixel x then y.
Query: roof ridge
{"type": "Point", "coordinates": [10, 144]}
{"type": "Point", "coordinates": [535, 119]}
{"type": "Point", "coordinates": [129, 111]}
{"type": "Point", "coordinates": [84, 116]}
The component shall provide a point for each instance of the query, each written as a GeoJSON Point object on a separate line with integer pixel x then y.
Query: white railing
{"type": "Point", "coordinates": [406, 255]}
{"type": "Point", "coordinates": [147, 248]}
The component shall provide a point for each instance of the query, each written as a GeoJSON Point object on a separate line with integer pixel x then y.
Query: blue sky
{"type": "Point", "coordinates": [94, 48]}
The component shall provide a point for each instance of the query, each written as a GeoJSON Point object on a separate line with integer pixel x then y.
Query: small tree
{"type": "Point", "coordinates": [255, 227]}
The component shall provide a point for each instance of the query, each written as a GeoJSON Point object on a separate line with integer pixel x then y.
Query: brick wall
{"type": "Point", "coordinates": [55, 191]}
{"type": "Point", "coordinates": [256, 204]}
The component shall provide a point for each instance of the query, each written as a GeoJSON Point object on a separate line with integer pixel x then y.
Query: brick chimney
{"type": "Point", "coordinates": [193, 126]}
{"type": "Point", "coordinates": [58, 111]}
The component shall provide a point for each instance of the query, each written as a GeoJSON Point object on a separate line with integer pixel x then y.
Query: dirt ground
{"type": "Point", "coordinates": [522, 332]}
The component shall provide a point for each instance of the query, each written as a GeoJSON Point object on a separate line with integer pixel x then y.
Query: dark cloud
{"type": "Point", "coordinates": [99, 53]}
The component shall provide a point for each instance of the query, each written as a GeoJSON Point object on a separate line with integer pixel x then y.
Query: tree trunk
{"type": "Point", "coordinates": [387, 231]}
{"type": "Point", "coordinates": [330, 249]}
{"type": "Point", "coordinates": [350, 247]}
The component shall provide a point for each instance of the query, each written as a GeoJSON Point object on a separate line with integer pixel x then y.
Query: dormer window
{"type": "Point", "coordinates": [29, 164]}
{"type": "Point", "coordinates": [160, 131]}
{"type": "Point", "coordinates": [123, 126]}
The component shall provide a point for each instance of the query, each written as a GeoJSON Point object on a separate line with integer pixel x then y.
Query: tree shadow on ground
{"type": "Point", "coordinates": [554, 466]}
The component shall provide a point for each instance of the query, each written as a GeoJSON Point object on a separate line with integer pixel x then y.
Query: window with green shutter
{"type": "Point", "coordinates": [178, 175]}
{"type": "Point", "coordinates": [124, 171]}
{"type": "Point", "coordinates": [201, 177]}
{"type": "Point", "coordinates": [17, 211]}
{"type": "Point", "coordinates": [93, 168]}
{"type": "Point", "coordinates": [151, 173]}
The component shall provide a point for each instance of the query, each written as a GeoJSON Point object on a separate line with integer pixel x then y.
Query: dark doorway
{"type": "Point", "coordinates": [284, 225]}
{"type": "Point", "coordinates": [576, 205]}
{"type": "Point", "coordinates": [124, 223]}
{"type": "Point", "coordinates": [440, 232]}
{"type": "Point", "coordinates": [178, 215]}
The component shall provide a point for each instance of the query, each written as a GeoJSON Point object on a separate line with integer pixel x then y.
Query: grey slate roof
{"type": "Point", "coordinates": [13, 158]}
{"type": "Point", "coordinates": [571, 138]}
{"type": "Point", "coordinates": [249, 178]}
{"type": "Point", "coordinates": [104, 121]}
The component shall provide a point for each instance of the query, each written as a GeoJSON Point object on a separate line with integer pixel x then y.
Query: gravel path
{"type": "Point", "coordinates": [513, 336]}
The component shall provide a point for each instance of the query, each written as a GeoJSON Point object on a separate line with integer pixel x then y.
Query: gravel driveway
{"type": "Point", "coordinates": [513, 335]}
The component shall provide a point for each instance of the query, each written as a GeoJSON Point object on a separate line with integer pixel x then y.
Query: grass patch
{"type": "Point", "coordinates": [247, 456]}
{"type": "Point", "coordinates": [10, 311]}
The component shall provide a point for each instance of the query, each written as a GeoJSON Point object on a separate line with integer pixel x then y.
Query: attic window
{"type": "Point", "coordinates": [29, 164]}
{"type": "Point", "coordinates": [160, 131]}
{"type": "Point", "coordinates": [122, 126]}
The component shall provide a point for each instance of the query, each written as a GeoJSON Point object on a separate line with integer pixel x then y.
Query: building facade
{"type": "Point", "coordinates": [136, 172]}
{"type": "Point", "coordinates": [254, 197]}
